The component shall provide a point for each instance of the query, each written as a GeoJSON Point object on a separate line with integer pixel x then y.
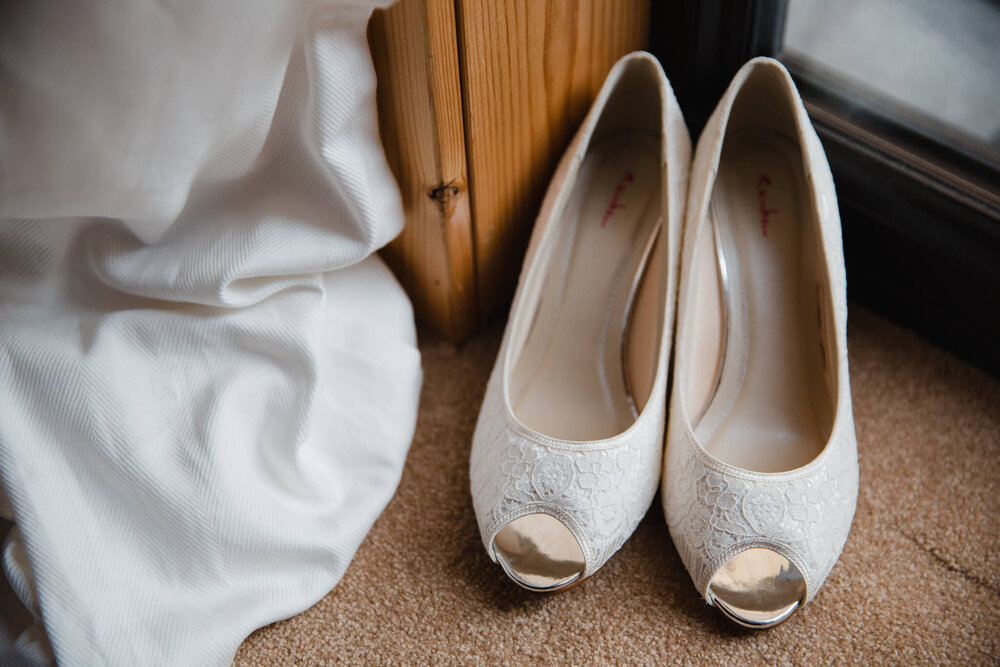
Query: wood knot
{"type": "Point", "coordinates": [444, 193]}
{"type": "Point", "coordinates": [446, 196]}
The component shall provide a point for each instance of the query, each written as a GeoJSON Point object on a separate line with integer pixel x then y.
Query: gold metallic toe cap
{"type": "Point", "coordinates": [758, 588]}
{"type": "Point", "coordinates": [539, 553]}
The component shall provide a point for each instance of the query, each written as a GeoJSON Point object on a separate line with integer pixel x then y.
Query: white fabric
{"type": "Point", "coordinates": [716, 510]}
{"type": "Point", "coordinates": [207, 391]}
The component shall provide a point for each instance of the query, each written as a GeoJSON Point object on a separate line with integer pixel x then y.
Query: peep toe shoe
{"type": "Point", "coordinates": [567, 451]}
{"type": "Point", "coordinates": [760, 476]}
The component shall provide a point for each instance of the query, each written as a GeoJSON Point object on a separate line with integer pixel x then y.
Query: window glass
{"type": "Point", "coordinates": [935, 64]}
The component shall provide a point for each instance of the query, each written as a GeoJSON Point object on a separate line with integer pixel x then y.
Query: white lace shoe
{"type": "Point", "coordinates": [568, 448]}
{"type": "Point", "coordinates": [761, 472]}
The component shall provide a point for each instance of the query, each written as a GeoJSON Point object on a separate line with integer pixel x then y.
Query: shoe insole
{"type": "Point", "coordinates": [762, 414]}
{"type": "Point", "coordinates": [568, 381]}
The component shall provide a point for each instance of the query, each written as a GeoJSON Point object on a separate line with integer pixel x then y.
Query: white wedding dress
{"type": "Point", "coordinates": [207, 384]}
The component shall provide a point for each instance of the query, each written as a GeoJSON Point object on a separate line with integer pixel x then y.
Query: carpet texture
{"type": "Point", "coordinates": [918, 582]}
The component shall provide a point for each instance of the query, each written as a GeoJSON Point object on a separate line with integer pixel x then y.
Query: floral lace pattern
{"type": "Point", "coordinates": [599, 490]}
{"type": "Point", "coordinates": [715, 511]}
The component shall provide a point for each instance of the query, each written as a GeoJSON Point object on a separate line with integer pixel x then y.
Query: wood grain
{"type": "Point", "coordinates": [415, 51]}
{"type": "Point", "coordinates": [529, 71]}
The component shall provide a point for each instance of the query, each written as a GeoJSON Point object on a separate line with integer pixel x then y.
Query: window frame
{"type": "Point", "coordinates": [920, 207]}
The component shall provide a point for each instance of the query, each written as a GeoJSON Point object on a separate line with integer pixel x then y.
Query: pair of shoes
{"type": "Point", "coordinates": [759, 480]}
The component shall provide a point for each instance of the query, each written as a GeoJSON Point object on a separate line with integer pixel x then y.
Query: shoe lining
{"type": "Point", "coordinates": [570, 379]}
{"type": "Point", "coordinates": [759, 375]}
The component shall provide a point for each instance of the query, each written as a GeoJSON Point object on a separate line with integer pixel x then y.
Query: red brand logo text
{"type": "Point", "coordinates": [763, 183]}
{"type": "Point", "coordinates": [615, 204]}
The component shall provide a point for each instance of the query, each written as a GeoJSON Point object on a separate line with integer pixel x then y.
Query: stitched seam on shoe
{"type": "Point", "coordinates": [814, 467]}
{"type": "Point", "coordinates": [617, 442]}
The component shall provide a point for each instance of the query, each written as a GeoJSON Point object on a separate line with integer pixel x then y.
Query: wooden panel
{"type": "Point", "coordinates": [415, 52]}
{"type": "Point", "coordinates": [530, 69]}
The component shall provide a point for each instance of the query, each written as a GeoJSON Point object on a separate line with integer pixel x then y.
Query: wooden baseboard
{"type": "Point", "coordinates": [477, 101]}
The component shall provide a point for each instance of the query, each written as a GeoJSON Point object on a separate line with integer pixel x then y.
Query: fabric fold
{"type": "Point", "coordinates": [209, 385]}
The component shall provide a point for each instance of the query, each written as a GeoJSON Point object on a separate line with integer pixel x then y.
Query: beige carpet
{"type": "Point", "coordinates": [919, 580]}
